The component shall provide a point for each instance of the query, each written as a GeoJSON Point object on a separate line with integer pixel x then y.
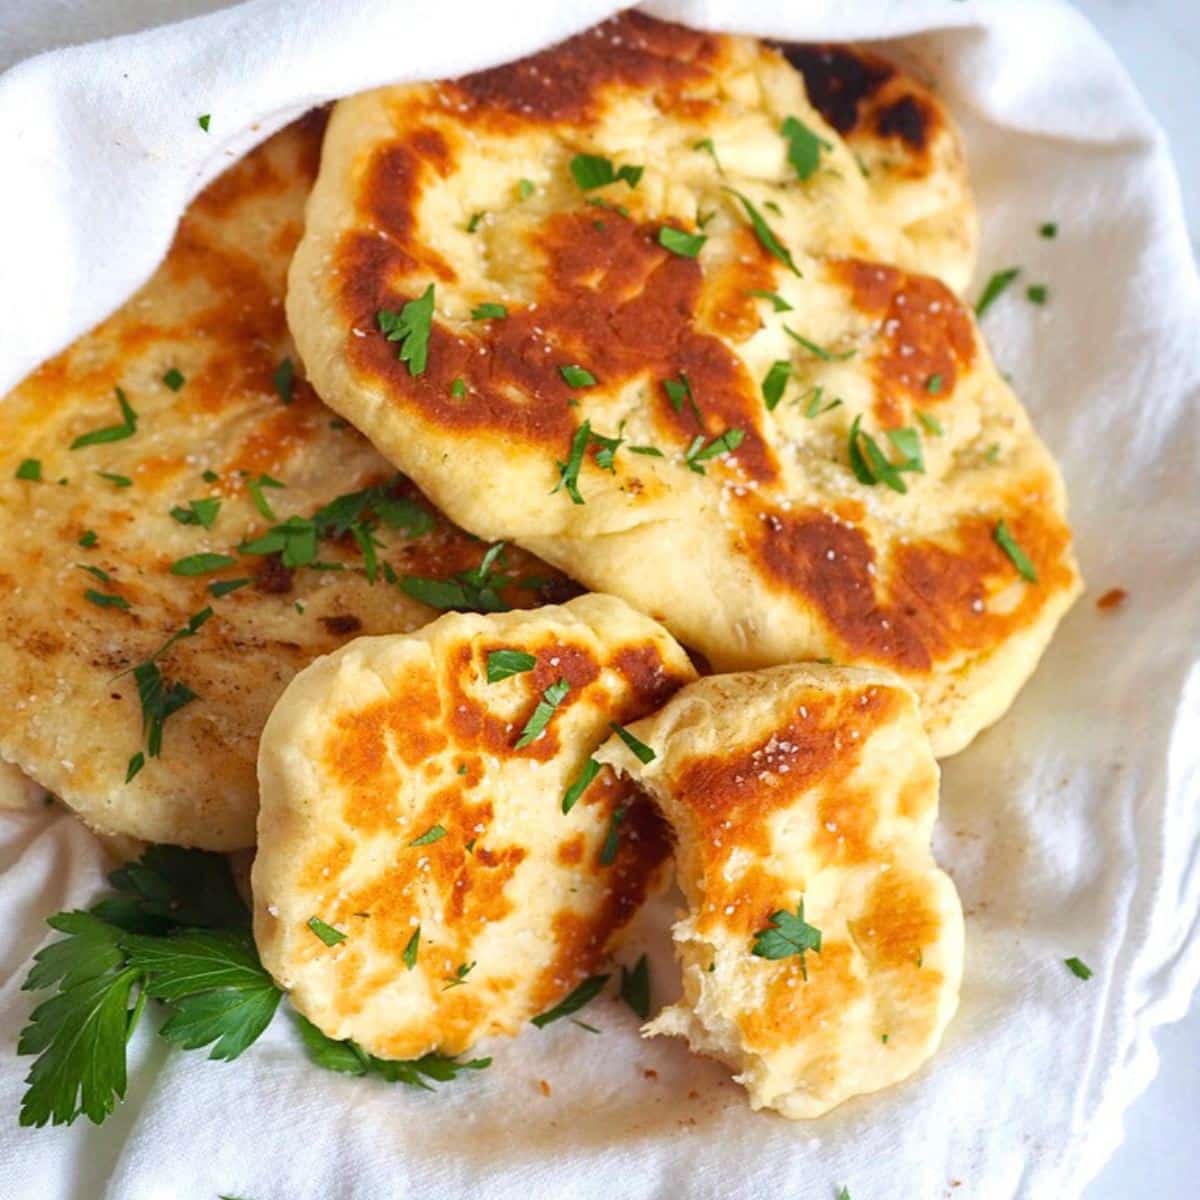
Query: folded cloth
{"type": "Point", "coordinates": [1070, 829]}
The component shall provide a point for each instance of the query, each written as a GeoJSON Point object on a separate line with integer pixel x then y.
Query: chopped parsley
{"type": "Point", "coordinates": [706, 146]}
{"type": "Point", "coordinates": [202, 564]}
{"type": "Point", "coordinates": [222, 587]}
{"type": "Point", "coordinates": [284, 379]}
{"type": "Point", "coordinates": [814, 407]}
{"type": "Point", "coordinates": [594, 171]}
{"type": "Point", "coordinates": [30, 469]}
{"type": "Point", "coordinates": [198, 512]}
{"type": "Point", "coordinates": [1036, 293]}
{"type": "Point", "coordinates": [210, 477]}
{"type": "Point", "coordinates": [933, 384]}
{"type": "Point", "coordinates": [134, 767]}
{"type": "Point", "coordinates": [787, 934]}
{"type": "Point", "coordinates": [931, 423]}
{"type": "Point", "coordinates": [502, 664]}
{"type": "Point", "coordinates": [580, 784]}
{"type": "Point", "coordinates": [577, 376]}
{"type": "Point", "coordinates": [584, 994]}
{"type": "Point", "coordinates": [474, 590]}
{"type": "Point", "coordinates": [411, 949]}
{"type": "Point", "coordinates": [774, 382]}
{"type": "Point", "coordinates": [679, 390]}
{"type": "Point", "coordinates": [88, 538]}
{"type": "Point", "coordinates": [486, 312]}
{"type": "Point", "coordinates": [121, 481]}
{"type": "Point", "coordinates": [804, 147]}
{"type": "Point", "coordinates": [698, 453]}
{"type": "Point", "coordinates": [651, 451]}
{"type": "Point", "coordinates": [871, 466]}
{"type": "Point", "coordinates": [174, 379]}
{"type": "Point", "coordinates": [410, 327]}
{"type": "Point", "coordinates": [677, 241]}
{"type": "Point", "coordinates": [255, 488]}
{"type": "Point", "coordinates": [766, 237]}
{"type": "Point", "coordinates": [1049, 229]}
{"type": "Point", "coordinates": [640, 750]}
{"type": "Point", "coordinates": [524, 188]}
{"type": "Point", "coordinates": [819, 351]}
{"type": "Point", "coordinates": [327, 933]}
{"type": "Point", "coordinates": [1017, 556]}
{"type": "Point", "coordinates": [777, 301]}
{"type": "Point", "coordinates": [106, 599]}
{"type": "Point", "coordinates": [458, 389]}
{"type": "Point", "coordinates": [612, 839]}
{"type": "Point", "coordinates": [568, 472]}
{"type": "Point", "coordinates": [995, 287]}
{"type": "Point", "coordinates": [473, 223]}
{"type": "Point", "coordinates": [1078, 968]}
{"type": "Point", "coordinates": [204, 120]}
{"type": "Point", "coordinates": [635, 988]}
{"type": "Point", "coordinates": [160, 699]}
{"type": "Point", "coordinates": [459, 977]}
{"type": "Point", "coordinates": [434, 833]}
{"type": "Point", "coordinates": [111, 433]}
{"type": "Point", "coordinates": [95, 572]}
{"type": "Point", "coordinates": [552, 697]}
{"type": "Point", "coordinates": [606, 452]}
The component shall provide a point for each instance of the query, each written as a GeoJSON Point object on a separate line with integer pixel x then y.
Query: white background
{"type": "Point", "coordinates": [1159, 43]}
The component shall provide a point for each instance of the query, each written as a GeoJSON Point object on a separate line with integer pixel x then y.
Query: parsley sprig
{"type": "Point", "coordinates": [477, 590]}
{"type": "Point", "coordinates": [111, 433]}
{"type": "Point", "coordinates": [787, 934]}
{"type": "Point", "coordinates": [410, 327]}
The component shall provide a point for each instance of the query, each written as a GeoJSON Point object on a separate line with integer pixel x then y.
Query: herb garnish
{"type": "Point", "coordinates": [635, 988]}
{"type": "Point", "coordinates": [995, 286]}
{"type": "Point", "coordinates": [488, 312]}
{"type": "Point", "coordinates": [459, 977]}
{"type": "Point", "coordinates": [931, 423]}
{"type": "Point", "coordinates": [777, 301]}
{"type": "Point", "coordinates": [579, 785]}
{"type": "Point", "coordinates": [804, 147]}
{"type": "Point", "coordinates": [474, 590]}
{"type": "Point", "coordinates": [121, 481]}
{"type": "Point", "coordinates": [612, 839]}
{"type": "Point", "coordinates": [1017, 556]}
{"type": "Point", "coordinates": [198, 512]}
{"type": "Point", "coordinates": [88, 538]}
{"type": "Point", "coordinates": [202, 564]}
{"type": "Point", "coordinates": [1036, 293]}
{"type": "Point", "coordinates": [875, 467]}
{"type": "Point", "coordinates": [698, 453]}
{"type": "Point", "coordinates": [411, 949]}
{"type": "Point", "coordinates": [1078, 968]}
{"type": "Point", "coordinates": [204, 120]}
{"type": "Point", "coordinates": [174, 379]}
{"type": "Point", "coordinates": [222, 587]}
{"type": "Point", "coordinates": [434, 833]}
{"type": "Point", "coordinates": [820, 351]}
{"type": "Point", "coordinates": [677, 241]}
{"type": "Point", "coordinates": [568, 472]}
{"type": "Point", "coordinates": [411, 328]}
{"type": "Point", "coordinates": [586, 992]}
{"type": "Point", "coordinates": [284, 379]}
{"type": "Point", "coordinates": [255, 488]}
{"type": "Point", "coordinates": [785, 935]}
{"type": "Point", "coordinates": [577, 376]}
{"type": "Point", "coordinates": [502, 664]}
{"type": "Point", "coordinates": [641, 751]}
{"type": "Point", "coordinates": [524, 188]}
{"type": "Point", "coordinates": [111, 433]}
{"type": "Point", "coordinates": [327, 933]}
{"type": "Point", "coordinates": [552, 697]}
{"type": "Point", "coordinates": [106, 599]}
{"type": "Point", "coordinates": [774, 382]}
{"type": "Point", "coordinates": [707, 146]}
{"type": "Point", "coordinates": [594, 171]}
{"type": "Point", "coordinates": [30, 469]}
{"type": "Point", "coordinates": [766, 237]}
{"type": "Point", "coordinates": [1049, 229]}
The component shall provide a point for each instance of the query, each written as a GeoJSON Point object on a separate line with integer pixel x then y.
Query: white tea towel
{"type": "Point", "coordinates": [1071, 827]}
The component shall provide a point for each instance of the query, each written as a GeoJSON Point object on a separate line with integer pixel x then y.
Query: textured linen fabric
{"type": "Point", "coordinates": [1070, 828]}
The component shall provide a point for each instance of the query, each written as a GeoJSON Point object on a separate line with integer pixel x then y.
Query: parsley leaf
{"type": "Point", "coordinates": [501, 664]}
{"type": "Point", "coordinates": [820, 351]}
{"type": "Point", "coordinates": [552, 697]}
{"type": "Point", "coordinates": [774, 382]}
{"type": "Point", "coordinates": [707, 146]}
{"type": "Point", "coordinates": [931, 423]}
{"type": "Point", "coordinates": [814, 408]}
{"type": "Point", "coordinates": [577, 376]}
{"type": "Point", "coordinates": [198, 512]}
{"type": "Point", "coordinates": [411, 949]}
{"type": "Point", "coordinates": [160, 700]}
{"type": "Point", "coordinates": [777, 301]}
{"type": "Point", "coordinates": [121, 481]}
{"type": "Point", "coordinates": [641, 751]}
{"type": "Point", "coordinates": [586, 992]}
{"type": "Point", "coordinates": [579, 785]}
{"type": "Point", "coordinates": [30, 469]}
{"type": "Point", "coordinates": [1036, 293]}
{"type": "Point", "coordinates": [568, 472]}
{"type": "Point", "coordinates": [204, 121]}
{"type": "Point", "coordinates": [434, 833]}
{"type": "Point", "coordinates": [474, 591]}
{"type": "Point", "coordinates": [284, 379]}
{"type": "Point", "coordinates": [410, 327]}
{"type": "Point", "coordinates": [995, 286]}
{"type": "Point", "coordinates": [874, 466]}
{"type": "Point", "coordinates": [525, 188]}
{"type": "Point", "coordinates": [459, 977]}
{"type": "Point", "coordinates": [612, 839]}
{"type": "Point", "coordinates": [1078, 968]}
{"type": "Point", "coordinates": [486, 312]}
{"type": "Point", "coordinates": [327, 933]}
{"type": "Point", "coordinates": [1049, 229]}
{"type": "Point", "coordinates": [1017, 556]}
{"type": "Point", "coordinates": [635, 988]}
{"type": "Point", "coordinates": [106, 599]}
{"type": "Point", "coordinates": [174, 379]}
{"type": "Point", "coordinates": [679, 390]}
{"type": "Point", "coordinates": [698, 453]}
{"type": "Point", "coordinates": [111, 433]}
{"type": "Point", "coordinates": [202, 564]}
{"type": "Point", "coordinates": [786, 935]}
{"type": "Point", "coordinates": [933, 384]}
{"type": "Point", "coordinates": [222, 587]}
{"type": "Point", "coordinates": [594, 170]}
{"type": "Point", "coordinates": [804, 147]}
{"type": "Point", "coordinates": [255, 488]}
{"type": "Point", "coordinates": [766, 237]}
{"type": "Point", "coordinates": [677, 241]}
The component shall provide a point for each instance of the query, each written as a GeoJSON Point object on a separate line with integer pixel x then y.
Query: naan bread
{"type": "Point", "coordinates": [399, 808]}
{"type": "Point", "coordinates": [18, 793]}
{"type": "Point", "coordinates": [809, 792]}
{"type": "Point", "coordinates": [796, 544]}
{"type": "Point", "coordinates": [214, 314]}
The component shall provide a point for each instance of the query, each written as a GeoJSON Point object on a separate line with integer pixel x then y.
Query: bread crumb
{"type": "Point", "coordinates": [1113, 598]}
{"type": "Point", "coordinates": [544, 1087]}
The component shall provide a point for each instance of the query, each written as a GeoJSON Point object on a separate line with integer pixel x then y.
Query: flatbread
{"type": "Point", "coordinates": [213, 313]}
{"type": "Point", "coordinates": [786, 548]}
{"type": "Point", "coordinates": [399, 809]}
{"type": "Point", "coordinates": [18, 793]}
{"type": "Point", "coordinates": [807, 791]}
